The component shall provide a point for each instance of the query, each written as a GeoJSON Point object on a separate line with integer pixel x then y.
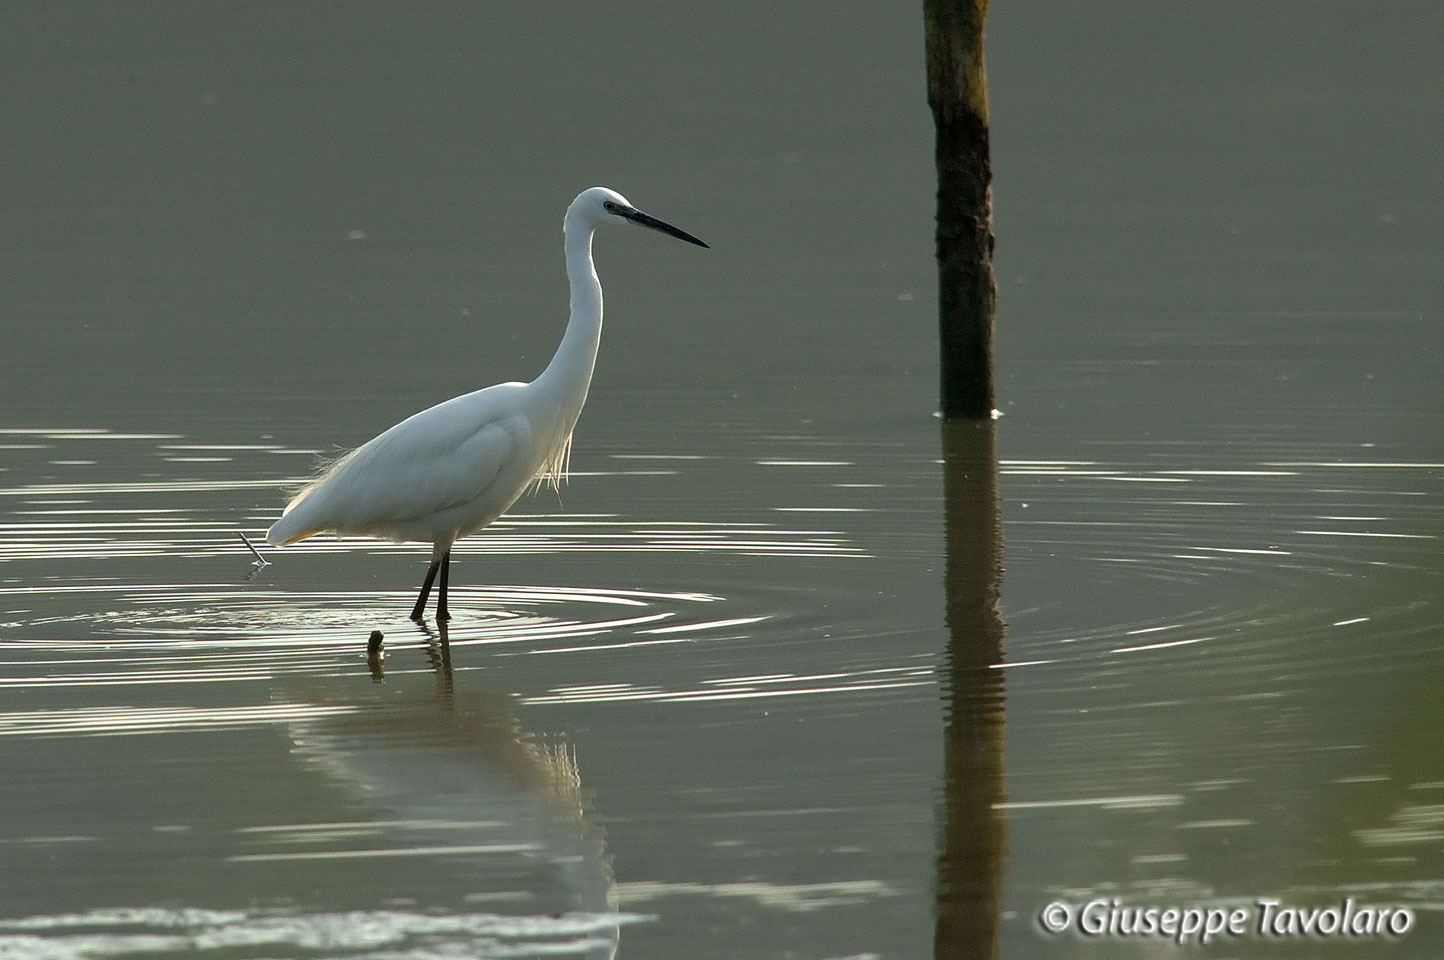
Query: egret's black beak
{"type": "Point", "coordinates": [647, 220]}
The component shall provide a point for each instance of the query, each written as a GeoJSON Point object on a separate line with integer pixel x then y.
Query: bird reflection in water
{"type": "Point", "coordinates": [457, 807]}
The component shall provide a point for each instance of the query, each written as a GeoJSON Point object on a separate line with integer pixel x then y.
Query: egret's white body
{"type": "Point", "coordinates": [451, 469]}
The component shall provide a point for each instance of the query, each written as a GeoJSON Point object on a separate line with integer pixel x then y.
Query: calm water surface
{"type": "Point", "coordinates": [742, 690]}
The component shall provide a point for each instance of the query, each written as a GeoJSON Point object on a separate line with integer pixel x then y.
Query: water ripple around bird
{"type": "Point", "coordinates": [79, 612]}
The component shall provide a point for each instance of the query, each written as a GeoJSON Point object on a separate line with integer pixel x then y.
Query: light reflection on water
{"type": "Point", "coordinates": [361, 935]}
{"type": "Point", "coordinates": [1325, 515]}
{"type": "Point", "coordinates": [443, 775]}
{"type": "Point", "coordinates": [1170, 714]}
{"type": "Point", "coordinates": [446, 787]}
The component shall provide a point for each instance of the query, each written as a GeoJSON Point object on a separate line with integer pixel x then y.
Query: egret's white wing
{"type": "Point", "coordinates": [441, 459]}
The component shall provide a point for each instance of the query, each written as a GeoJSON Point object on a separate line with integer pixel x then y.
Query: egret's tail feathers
{"type": "Point", "coordinates": [285, 541]}
{"type": "Point", "coordinates": [289, 529]}
{"type": "Point", "coordinates": [299, 519]}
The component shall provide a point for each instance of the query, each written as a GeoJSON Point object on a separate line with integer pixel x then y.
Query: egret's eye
{"type": "Point", "coordinates": [609, 205]}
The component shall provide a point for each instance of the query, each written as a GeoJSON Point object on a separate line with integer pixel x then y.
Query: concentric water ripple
{"type": "Point", "coordinates": [230, 617]}
{"type": "Point", "coordinates": [1226, 552]}
{"type": "Point", "coordinates": [75, 545]}
{"type": "Point", "coordinates": [1238, 558]}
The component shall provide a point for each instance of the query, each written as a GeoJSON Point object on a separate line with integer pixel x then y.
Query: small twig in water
{"type": "Point", "coordinates": [260, 560]}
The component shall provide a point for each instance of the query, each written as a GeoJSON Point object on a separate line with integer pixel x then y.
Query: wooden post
{"type": "Point", "coordinates": [967, 292]}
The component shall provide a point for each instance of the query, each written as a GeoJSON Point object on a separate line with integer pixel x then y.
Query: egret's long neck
{"type": "Point", "coordinates": [567, 377]}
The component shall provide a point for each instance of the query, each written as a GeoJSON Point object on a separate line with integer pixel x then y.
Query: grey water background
{"type": "Point", "coordinates": [717, 700]}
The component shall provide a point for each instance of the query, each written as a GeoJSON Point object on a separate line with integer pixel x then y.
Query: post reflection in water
{"type": "Point", "coordinates": [450, 788]}
{"type": "Point", "coordinates": [972, 835]}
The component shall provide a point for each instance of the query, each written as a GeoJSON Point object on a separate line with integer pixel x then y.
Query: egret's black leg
{"type": "Point", "coordinates": [441, 614]}
{"type": "Point", "coordinates": [419, 611]}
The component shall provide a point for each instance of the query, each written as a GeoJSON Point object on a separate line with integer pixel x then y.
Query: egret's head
{"type": "Point", "coordinates": [598, 205]}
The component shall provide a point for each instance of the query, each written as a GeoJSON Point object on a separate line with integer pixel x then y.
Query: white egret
{"type": "Point", "coordinates": [451, 469]}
